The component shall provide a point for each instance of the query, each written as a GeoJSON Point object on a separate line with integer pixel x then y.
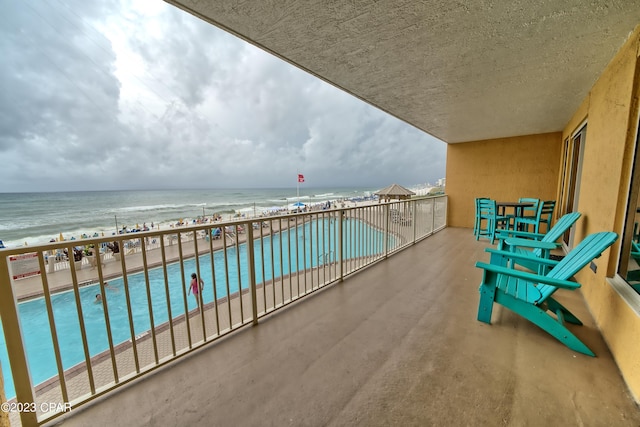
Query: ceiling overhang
{"type": "Point", "coordinates": [460, 72]}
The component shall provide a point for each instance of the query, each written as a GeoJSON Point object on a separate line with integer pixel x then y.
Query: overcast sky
{"type": "Point", "coordinates": [108, 95]}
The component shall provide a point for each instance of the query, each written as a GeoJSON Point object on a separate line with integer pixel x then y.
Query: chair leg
{"type": "Point", "coordinates": [492, 231]}
{"type": "Point", "coordinates": [487, 296]}
{"type": "Point", "coordinates": [544, 321]}
{"type": "Point", "coordinates": [485, 306]}
{"type": "Point", "coordinates": [484, 231]}
{"type": "Point", "coordinates": [568, 316]}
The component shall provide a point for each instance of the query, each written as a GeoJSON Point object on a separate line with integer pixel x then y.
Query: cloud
{"type": "Point", "coordinates": [97, 95]}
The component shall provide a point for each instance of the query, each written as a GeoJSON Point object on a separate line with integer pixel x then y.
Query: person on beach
{"type": "Point", "coordinates": [195, 287]}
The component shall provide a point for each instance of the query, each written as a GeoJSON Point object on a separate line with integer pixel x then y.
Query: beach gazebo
{"type": "Point", "coordinates": [394, 191]}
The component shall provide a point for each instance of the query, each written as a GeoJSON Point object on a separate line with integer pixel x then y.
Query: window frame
{"type": "Point", "coordinates": [620, 281]}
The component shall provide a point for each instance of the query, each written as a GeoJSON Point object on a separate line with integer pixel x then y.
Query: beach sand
{"type": "Point", "coordinates": [61, 279]}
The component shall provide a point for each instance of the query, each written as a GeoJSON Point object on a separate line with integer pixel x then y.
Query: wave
{"type": "Point", "coordinates": [299, 198]}
{"type": "Point", "coordinates": [149, 208]}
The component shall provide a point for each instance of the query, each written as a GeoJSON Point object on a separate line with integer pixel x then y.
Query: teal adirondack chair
{"type": "Point", "coordinates": [535, 245]}
{"type": "Point", "coordinates": [529, 294]}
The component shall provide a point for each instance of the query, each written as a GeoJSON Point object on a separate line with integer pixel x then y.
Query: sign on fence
{"type": "Point", "coordinates": [23, 266]}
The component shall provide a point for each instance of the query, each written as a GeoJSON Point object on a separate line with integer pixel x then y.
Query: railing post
{"type": "Point", "coordinates": [340, 245]}
{"type": "Point", "coordinates": [414, 217]}
{"type": "Point", "coordinates": [15, 347]}
{"type": "Point", "coordinates": [252, 273]}
{"type": "Point", "coordinates": [386, 229]}
{"type": "Point", "coordinates": [433, 215]}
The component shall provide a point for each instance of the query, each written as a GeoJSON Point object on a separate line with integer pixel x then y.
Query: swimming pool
{"type": "Point", "coordinates": [315, 243]}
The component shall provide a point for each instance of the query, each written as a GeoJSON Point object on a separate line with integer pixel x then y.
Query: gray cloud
{"type": "Point", "coordinates": [100, 96]}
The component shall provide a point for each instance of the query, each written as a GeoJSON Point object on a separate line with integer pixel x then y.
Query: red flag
{"type": "Point", "coordinates": [300, 177]}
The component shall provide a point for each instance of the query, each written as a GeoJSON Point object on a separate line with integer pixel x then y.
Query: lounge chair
{"type": "Point", "coordinates": [529, 295]}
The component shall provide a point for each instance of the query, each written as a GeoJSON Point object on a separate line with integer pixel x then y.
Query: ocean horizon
{"type": "Point", "coordinates": [36, 218]}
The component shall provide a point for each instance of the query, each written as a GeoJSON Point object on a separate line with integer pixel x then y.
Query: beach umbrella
{"type": "Point", "coordinates": [296, 205]}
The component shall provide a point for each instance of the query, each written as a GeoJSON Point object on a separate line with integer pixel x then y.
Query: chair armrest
{"type": "Point", "coordinates": [530, 277]}
{"type": "Point", "coordinates": [536, 244]}
{"type": "Point", "coordinates": [503, 234]}
{"type": "Point", "coordinates": [524, 257]}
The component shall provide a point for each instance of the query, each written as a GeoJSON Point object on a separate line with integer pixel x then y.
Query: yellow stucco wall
{"type": "Point", "coordinates": [503, 169]}
{"type": "Point", "coordinates": [612, 118]}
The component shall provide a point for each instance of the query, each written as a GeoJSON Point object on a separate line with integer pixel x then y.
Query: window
{"type": "Point", "coordinates": [629, 265]}
{"type": "Point", "coordinates": [571, 171]}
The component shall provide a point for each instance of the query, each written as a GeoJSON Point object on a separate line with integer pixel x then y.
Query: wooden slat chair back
{"type": "Point", "coordinates": [530, 295]}
{"type": "Point", "coordinates": [590, 248]}
{"type": "Point", "coordinates": [531, 216]}
{"type": "Point", "coordinates": [478, 220]}
{"type": "Point", "coordinates": [546, 216]}
{"type": "Point", "coordinates": [488, 213]}
{"type": "Point", "coordinates": [557, 231]}
{"type": "Point", "coordinates": [560, 227]}
{"type": "Point", "coordinates": [531, 210]}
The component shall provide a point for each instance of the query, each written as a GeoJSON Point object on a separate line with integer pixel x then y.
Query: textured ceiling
{"type": "Point", "coordinates": [459, 71]}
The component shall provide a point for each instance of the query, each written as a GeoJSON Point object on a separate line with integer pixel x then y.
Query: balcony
{"type": "Point", "coordinates": [395, 344]}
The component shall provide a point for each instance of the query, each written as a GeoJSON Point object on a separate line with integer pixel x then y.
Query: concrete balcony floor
{"type": "Point", "coordinates": [396, 344]}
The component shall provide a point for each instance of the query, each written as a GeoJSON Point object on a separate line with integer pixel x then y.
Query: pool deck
{"type": "Point", "coordinates": [395, 344]}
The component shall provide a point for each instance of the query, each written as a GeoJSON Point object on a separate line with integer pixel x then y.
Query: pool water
{"type": "Point", "coordinates": [315, 242]}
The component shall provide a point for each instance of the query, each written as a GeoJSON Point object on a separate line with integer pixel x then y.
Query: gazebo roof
{"type": "Point", "coordinates": [395, 190]}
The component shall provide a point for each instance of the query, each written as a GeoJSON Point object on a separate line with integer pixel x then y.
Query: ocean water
{"type": "Point", "coordinates": [34, 218]}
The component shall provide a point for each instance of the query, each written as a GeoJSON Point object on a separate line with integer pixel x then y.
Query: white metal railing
{"type": "Point", "coordinates": [137, 322]}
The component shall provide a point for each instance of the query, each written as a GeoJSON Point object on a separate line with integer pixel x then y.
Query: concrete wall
{"type": "Point", "coordinates": [611, 111]}
{"type": "Point", "coordinates": [503, 169]}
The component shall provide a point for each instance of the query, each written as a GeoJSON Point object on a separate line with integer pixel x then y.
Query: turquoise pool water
{"type": "Point", "coordinates": [33, 313]}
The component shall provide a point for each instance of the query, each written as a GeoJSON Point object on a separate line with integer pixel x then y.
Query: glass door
{"type": "Point", "coordinates": [574, 151]}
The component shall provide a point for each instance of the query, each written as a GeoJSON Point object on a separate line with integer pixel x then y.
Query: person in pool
{"type": "Point", "coordinates": [98, 299]}
{"type": "Point", "coordinates": [108, 286]}
{"type": "Point", "coordinates": [195, 287]}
